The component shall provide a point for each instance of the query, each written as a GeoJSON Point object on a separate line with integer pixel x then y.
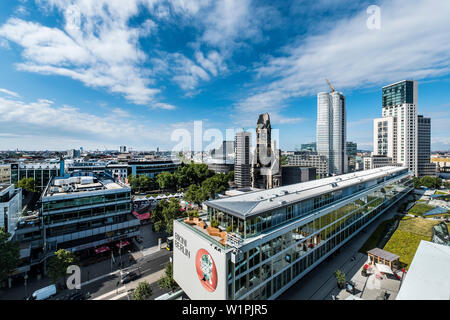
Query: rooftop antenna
{"type": "Point", "coordinates": [329, 84]}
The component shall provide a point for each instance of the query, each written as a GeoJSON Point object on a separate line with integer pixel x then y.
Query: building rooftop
{"type": "Point", "coordinates": [427, 277]}
{"type": "Point", "coordinates": [252, 203]}
{"type": "Point", "coordinates": [74, 183]}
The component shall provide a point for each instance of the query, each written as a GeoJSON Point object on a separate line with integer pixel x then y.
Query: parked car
{"type": "Point", "coordinates": [127, 277]}
{"type": "Point", "coordinates": [43, 293]}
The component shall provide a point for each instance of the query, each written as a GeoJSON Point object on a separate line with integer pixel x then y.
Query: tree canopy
{"type": "Point", "coordinates": [164, 214]}
{"type": "Point", "coordinates": [27, 184]}
{"type": "Point", "coordinates": [167, 281]}
{"type": "Point", "coordinates": [9, 254]}
{"type": "Point", "coordinates": [143, 291]}
{"type": "Point", "coordinates": [428, 181]}
{"type": "Point", "coordinates": [57, 265]}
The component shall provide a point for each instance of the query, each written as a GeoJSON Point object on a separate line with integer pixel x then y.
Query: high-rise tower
{"type": "Point", "coordinates": [331, 131]}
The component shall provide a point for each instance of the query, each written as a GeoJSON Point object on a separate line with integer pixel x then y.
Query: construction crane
{"type": "Point", "coordinates": [329, 84]}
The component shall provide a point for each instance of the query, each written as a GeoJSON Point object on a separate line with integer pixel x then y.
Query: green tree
{"type": "Point", "coordinates": [57, 265]}
{"type": "Point", "coordinates": [284, 160]}
{"type": "Point", "coordinates": [27, 184]}
{"type": "Point", "coordinates": [167, 281]}
{"type": "Point", "coordinates": [143, 291]}
{"type": "Point", "coordinates": [195, 194]}
{"type": "Point", "coordinates": [9, 254]}
{"type": "Point", "coordinates": [164, 214]}
{"type": "Point", "coordinates": [166, 180]}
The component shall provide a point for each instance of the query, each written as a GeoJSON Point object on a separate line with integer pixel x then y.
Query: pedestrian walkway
{"type": "Point", "coordinates": [127, 288]}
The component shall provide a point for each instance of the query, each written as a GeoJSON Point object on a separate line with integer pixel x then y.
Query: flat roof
{"type": "Point", "coordinates": [428, 276]}
{"type": "Point", "coordinates": [252, 203]}
{"type": "Point", "coordinates": [102, 184]}
{"type": "Point", "coordinates": [386, 255]}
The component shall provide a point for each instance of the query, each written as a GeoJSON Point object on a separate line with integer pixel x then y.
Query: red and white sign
{"type": "Point", "coordinates": [206, 270]}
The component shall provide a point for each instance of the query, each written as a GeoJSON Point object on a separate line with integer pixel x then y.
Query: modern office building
{"type": "Point", "coordinates": [297, 174]}
{"type": "Point", "coordinates": [84, 211]}
{"type": "Point", "coordinates": [331, 131]}
{"type": "Point", "coordinates": [152, 168]}
{"type": "Point", "coordinates": [123, 149]}
{"type": "Point", "coordinates": [118, 171]}
{"type": "Point", "coordinates": [352, 148]}
{"type": "Point", "coordinates": [242, 177]}
{"type": "Point", "coordinates": [79, 211]}
{"type": "Point", "coordinates": [310, 159]}
{"type": "Point", "coordinates": [10, 207]}
{"type": "Point", "coordinates": [396, 133]}
{"type": "Point", "coordinates": [266, 164]}
{"type": "Point", "coordinates": [267, 240]}
{"type": "Point", "coordinates": [40, 172]}
{"type": "Point", "coordinates": [424, 165]}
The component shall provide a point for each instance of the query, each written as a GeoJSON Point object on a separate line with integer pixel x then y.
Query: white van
{"type": "Point", "coordinates": [44, 293]}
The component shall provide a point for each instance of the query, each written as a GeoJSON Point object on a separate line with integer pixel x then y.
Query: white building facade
{"type": "Point", "coordinates": [10, 207]}
{"type": "Point", "coordinates": [396, 133]}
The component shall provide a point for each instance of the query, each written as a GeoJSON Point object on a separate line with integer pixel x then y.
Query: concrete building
{"type": "Point", "coordinates": [5, 173]}
{"type": "Point", "coordinates": [10, 207]}
{"type": "Point", "coordinates": [376, 161]}
{"type": "Point", "coordinates": [242, 177]}
{"type": "Point", "coordinates": [424, 165]}
{"type": "Point", "coordinates": [310, 159]}
{"type": "Point", "coordinates": [396, 133]}
{"type": "Point", "coordinates": [267, 240]}
{"type": "Point", "coordinates": [297, 174]}
{"type": "Point", "coordinates": [331, 131]}
{"type": "Point", "coordinates": [266, 164]}
{"type": "Point", "coordinates": [123, 149]}
{"type": "Point", "coordinates": [427, 277]}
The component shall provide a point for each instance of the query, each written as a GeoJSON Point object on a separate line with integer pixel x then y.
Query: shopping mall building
{"type": "Point", "coordinates": [267, 240]}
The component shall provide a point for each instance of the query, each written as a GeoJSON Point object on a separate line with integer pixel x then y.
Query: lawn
{"type": "Point", "coordinates": [405, 240]}
{"type": "Point", "coordinates": [404, 244]}
{"type": "Point", "coordinates": [419, 209]}
{"type": "Point", "coordinates": [376, 236]}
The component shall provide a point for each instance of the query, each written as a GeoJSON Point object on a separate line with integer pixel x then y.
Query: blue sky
{"type": "Point", "coordinates": [104, 73]}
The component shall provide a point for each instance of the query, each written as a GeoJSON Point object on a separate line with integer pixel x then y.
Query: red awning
{"type": "Point", "coordinates": [102, 249]}
{"type": "Point", "coordinates": [144, 216]}
{"type": "Point", "coordinates": [122, 244]}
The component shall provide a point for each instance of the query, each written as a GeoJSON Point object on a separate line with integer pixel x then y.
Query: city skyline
{"type": "Point", "coordinates": [61, 88]}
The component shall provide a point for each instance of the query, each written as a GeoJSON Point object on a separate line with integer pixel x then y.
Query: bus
{"type": "Point", "coordinates": [169, 245]}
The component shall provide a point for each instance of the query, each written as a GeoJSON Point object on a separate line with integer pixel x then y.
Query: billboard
{"type": "Point", "coordinates": [199, 265]}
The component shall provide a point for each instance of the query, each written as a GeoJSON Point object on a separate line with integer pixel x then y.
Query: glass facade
{"type": "Point", "coordinates": [269, 267]}
{"type": "Point", "coordinates": [399, 93]}
{"type": "Point", "coordinates": [257, 224]}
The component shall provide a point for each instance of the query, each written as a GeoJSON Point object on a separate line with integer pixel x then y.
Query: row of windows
{"type": "Point", "coordinates": [77, 202]}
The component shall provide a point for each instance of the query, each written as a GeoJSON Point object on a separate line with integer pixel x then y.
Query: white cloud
{"type": "Point", "coordinates": [95, 46]}
{"type": "Point", "coordinates": [352, 56]}
{"type": "Point", "coordinates": [10, 93]}
{"type": "Point", "coordinates": [39, 121]}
